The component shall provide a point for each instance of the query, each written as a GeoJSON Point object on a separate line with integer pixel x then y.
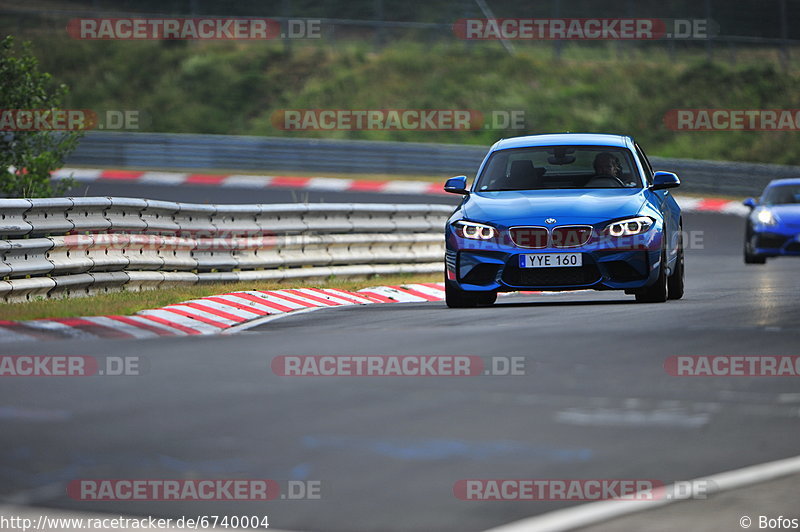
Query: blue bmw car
{"type": "Point", "coordinates": [773, 227]}
{"type": "Point", "coordinates": [564, 212]}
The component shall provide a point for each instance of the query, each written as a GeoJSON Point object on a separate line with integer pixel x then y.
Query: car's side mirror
{"type": "Point", "coordinates": [749, 202]}
{"type": "Point", "coordinates": [457, 185]}
{"type": "Point", "coordinates": [664, 180]}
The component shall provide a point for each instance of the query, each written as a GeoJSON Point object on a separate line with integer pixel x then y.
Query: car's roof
{"type": "Point", "coordinates": [786, 181]}
{"type": "Point", "coordinates": [564, 139]}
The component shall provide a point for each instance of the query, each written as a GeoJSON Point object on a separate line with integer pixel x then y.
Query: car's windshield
{"type": "Point", "coordinates": [781, 195]}
{"type": "Point", "coordinates": [559, 167]}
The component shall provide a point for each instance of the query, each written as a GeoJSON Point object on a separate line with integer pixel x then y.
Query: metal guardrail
{"type": "Point", "coordinates": [82, 246]}
{"type": "Point", "coordinates": [180, 151]}
{"type": "Point", "coordinates": [169, 150]}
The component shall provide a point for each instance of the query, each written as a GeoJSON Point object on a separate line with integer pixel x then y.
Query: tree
{"type": "Point", "coordinates": [28, 157]}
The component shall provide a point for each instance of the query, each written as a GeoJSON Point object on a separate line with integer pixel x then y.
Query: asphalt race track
{"type": "Point", "coordinates": [595, 402]}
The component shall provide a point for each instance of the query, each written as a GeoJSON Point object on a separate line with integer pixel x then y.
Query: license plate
{"type": "Point", "coordinates": [551, 260]}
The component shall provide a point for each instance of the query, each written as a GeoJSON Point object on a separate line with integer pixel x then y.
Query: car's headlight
{"type": "Point", "coordinates": [631, 226]}
{"type": "Point", "coordinates": [766, 217]}
{"type": "Point", "coordinates": [475, 231]}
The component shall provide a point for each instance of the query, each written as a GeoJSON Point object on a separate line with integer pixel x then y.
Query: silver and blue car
{"type": "Point", "coordinates": [564, 212]}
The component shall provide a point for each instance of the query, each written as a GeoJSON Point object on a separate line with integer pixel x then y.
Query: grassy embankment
{"type": "Point", "coordinates": [235, 87]}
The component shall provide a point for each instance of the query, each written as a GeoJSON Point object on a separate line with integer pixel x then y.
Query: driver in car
{"type": "Point", "coordinates": [608, 171]}
{"type": "Point", "coordinates": [606, 164]}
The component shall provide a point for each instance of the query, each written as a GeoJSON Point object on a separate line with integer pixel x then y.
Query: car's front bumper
{"type": "Point", "coordinates": [774, 242]}
{"type": "Point", "coordinates": [616, 264]}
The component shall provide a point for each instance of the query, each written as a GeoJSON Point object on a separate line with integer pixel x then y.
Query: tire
{"type": "Point", "coordinates": [456, 298]}
{"type": "Point", "coordinates": [488, 299]}
{"type": "Point", "coordinates": [675, 283]}
{"type": "Point", "coordinates": [751, 258]}
{"type": "Point", "coordinates": [658, 292]}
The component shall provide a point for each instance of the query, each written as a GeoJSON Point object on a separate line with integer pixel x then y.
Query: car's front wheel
{"type": "Point", "coordinates": [675, 282]}
{"type": "Point", "coordinates": [658, 291]}
{"type": "Point", "coordinates": [749, 256]}
{"type": "Point", "coordinates": [752, 258]}
{"type": "Point", "coordinates": [457, 298]}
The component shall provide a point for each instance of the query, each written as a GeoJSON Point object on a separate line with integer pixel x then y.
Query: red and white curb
{"type": "Point", "coordinates": [252, 181]}
{"type": "Point", "coordinates": [714, 205]}
{"type": "Point", "coordinates": [332, 184]}
{"type": "Point", "coordinates": [213, 314]}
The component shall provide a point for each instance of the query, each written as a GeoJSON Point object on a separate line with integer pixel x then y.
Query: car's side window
{"type": "Point", "coordinates": [646, 164]}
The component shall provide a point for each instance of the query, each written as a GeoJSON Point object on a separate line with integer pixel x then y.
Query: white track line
{"type": "Point", "coordinates": [597, 512]}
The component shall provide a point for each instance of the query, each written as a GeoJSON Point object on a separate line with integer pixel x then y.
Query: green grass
{"type": "Point", "coordinates": [235, 87]}
{"type": "Point", "coordinates": [126, 303]}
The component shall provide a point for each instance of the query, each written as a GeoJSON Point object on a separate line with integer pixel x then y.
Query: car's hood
{"type": "Point", "coordinates": [786, 214]}
{"type": "Point", "coordinates": [566, 206]}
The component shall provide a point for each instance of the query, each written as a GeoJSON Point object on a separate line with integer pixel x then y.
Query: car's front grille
{"type": "Point", "coordinates": [529, 237]}
{"type": "Point", "coordinates": [571, 236]}
{"type": "Point", "coordinates": [770, 240]}
{"type": "Point", "coordinates": [565, 236]}
{"type": "Point", "coordinates": [576, 276]}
